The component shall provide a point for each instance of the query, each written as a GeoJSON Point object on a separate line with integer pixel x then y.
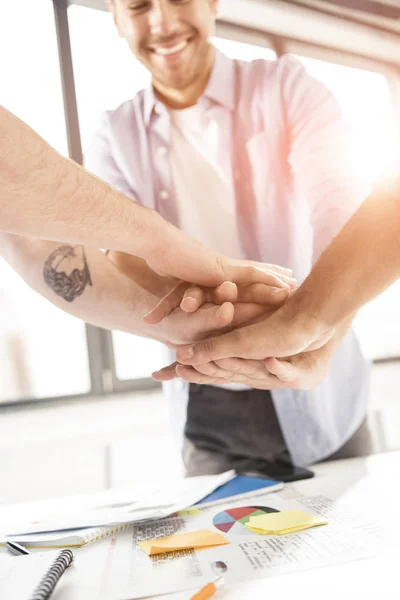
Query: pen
{"type": "Point", "coordinates": [209, 590]}
{"type": "Point", "coordinates": [16, 549]}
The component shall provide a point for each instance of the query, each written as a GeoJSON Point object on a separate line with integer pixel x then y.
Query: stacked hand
{"type": "Point", "coordinates": [266, 341]}
{"type": "Point", "coordinates": [188, 314]}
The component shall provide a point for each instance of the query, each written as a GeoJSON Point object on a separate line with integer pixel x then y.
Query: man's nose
{"type": "Point", "coordinates": [162, 18]}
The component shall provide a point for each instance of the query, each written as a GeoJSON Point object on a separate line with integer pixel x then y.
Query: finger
{"type": "Point", "coordinates": [282, 369]}
{"type": "Point", "coordinates": [290, 281]}
{"type": "Point", "coordinates": [253, 369]}
{"type": "Point", "coordinates": [259, 293]}
{"type": "Point", "coordinates": [284, 274]}
{"type": "Point", "coordinates": [165, 374]}
{"type": "Point", "coordinates": [207, 320]}
{"type": "Point", "coordinates": [166, 305]}
{"type": "Point", "coordinates": [275, 268]}
{"type": "Point", "coordinates": [226, 292]}
{"type": "Point", "coordinates": [242, 343]}
{"type": "Point", "coordinates": [193, 298]}
{"type": "Point", "coordinates": [192, 376]}
{"type": "Point", "coordinates": [212, 370]}
{"type": "Point", "coordinates": [247, 314]}
{"type": "Point", "coordinates": [252, 274]}
{"type": "Point", "coordinates": [269, 266]}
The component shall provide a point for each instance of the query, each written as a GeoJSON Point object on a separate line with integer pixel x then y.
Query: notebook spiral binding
{"type": "Point", "coordinates": [49, 581]}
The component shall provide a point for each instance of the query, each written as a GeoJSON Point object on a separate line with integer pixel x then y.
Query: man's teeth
{"type": "Point", "coordinates": [164, 51]}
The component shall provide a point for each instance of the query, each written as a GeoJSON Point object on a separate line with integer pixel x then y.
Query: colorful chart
{"type": "Point", "coordinates": [234, 520]}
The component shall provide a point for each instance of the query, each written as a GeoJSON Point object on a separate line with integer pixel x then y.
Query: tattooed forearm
{"type": "Point", "coordinates": [66, 272]}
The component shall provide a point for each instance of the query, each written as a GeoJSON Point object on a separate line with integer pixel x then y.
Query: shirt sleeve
{"type": "Point", "coordinates": [99, 159]}
{"type": "Point", "coordinates": [320, 154]}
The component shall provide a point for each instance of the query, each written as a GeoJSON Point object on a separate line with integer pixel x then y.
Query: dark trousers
{"type": "Point", "coordinates": [228, 429]}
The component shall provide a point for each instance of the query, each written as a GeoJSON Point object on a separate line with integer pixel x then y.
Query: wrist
{"type": "Point", "coordinates": [306, 316]}
{"type": "Point", "coordinates": [152, 235]}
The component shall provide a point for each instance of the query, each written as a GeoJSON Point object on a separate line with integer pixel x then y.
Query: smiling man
{"type": "Point", "coordinates": [251, 159]}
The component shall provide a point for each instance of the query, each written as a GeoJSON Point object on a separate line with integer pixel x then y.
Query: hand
{"type": "Point", "coordinates": [303, 371]}
{"type": "Point", "coordinates": [172, 252]}
{"type": "Point", "coordinates": [181, 327]}
{"type": "Point", "coordinates": [190, 298]}
{"type": "Point", "coordinates": [284, 333]}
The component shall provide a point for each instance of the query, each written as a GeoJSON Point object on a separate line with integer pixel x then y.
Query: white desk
{"type": "Point", "coordinates": [371, 483]}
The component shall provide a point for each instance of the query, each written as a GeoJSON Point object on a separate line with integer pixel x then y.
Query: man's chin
{"type": "Point", "coordinates": [175, 81]}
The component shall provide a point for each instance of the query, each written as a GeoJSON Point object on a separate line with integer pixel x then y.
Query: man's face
{"type": "Point", "coordinates": [170, 37]}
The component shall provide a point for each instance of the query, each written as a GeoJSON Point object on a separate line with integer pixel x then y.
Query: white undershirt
{"type": "Point", "coordinates": [202, 174]}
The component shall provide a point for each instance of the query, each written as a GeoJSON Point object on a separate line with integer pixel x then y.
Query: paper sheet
{"type": "Point", "coordinates": [20, 575]}
{"type": "Point", "coordinates": [119, 568]}
{"type": "Point", "coordinates": [126, 505]}
{"type": "Point", "coordinates": [280, 523]}
{"type": "Point", "coordinates": [184, 541]}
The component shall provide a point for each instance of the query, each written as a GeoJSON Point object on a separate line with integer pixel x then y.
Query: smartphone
{"type": "Point", "coordinates": [281, 471]}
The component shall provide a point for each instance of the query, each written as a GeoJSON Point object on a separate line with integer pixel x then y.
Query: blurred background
{"type": "Point", "coordinates": [78, 409]}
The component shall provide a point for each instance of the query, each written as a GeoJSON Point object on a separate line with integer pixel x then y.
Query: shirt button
{"type": "Point", "coordinates": [164, 195]}
{"type": "Point", "coordinates": [157, 109]}
{"type": "Point", "coordinates": [162, 151]}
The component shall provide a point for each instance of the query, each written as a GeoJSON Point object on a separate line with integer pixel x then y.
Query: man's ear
{"type": "Point", "coordinates": [113, 10]}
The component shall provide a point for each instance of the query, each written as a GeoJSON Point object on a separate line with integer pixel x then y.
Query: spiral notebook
{"type": "Point", "coordinates": [65, 539]}
{"type": "Point", "coordinates": [34, 576]}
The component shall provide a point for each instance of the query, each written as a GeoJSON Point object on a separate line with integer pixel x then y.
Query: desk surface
{"type": "Point", "coordinates": [372, 483]}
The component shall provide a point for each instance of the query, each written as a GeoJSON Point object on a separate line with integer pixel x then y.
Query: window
{"type": "Point", "coordinates": [367, 106]}
{"type": "Point", "coordinates": [42, 350]}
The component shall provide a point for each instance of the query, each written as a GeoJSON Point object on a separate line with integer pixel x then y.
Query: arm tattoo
{"type": "Point", "coordinates": [66, 272]}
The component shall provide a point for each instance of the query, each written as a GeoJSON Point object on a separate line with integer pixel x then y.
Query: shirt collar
{"type": "Point", "coordinates": [220, 88]}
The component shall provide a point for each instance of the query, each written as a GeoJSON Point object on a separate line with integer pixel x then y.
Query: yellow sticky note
{"type": "Point", "coordinates": [287, 521]}
{"type": "Point", "coordinates": [188, 511]}
{"type": "Point", "coordinates": [183, 541]}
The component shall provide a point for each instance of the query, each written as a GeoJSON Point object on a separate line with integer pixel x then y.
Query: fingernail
{"type": "Point", "coordinates": [188, 353]}
{"type": "Point", "coordinates": [279, 290]}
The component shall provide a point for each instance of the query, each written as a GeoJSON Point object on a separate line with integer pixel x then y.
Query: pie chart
{"type": "Point", "coordinates": [234, 520]}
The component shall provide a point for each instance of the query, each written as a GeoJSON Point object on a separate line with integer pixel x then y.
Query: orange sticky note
{"type": "Point", "coordinates": [183, 541]}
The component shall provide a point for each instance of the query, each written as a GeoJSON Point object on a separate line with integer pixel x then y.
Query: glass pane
{"type": "Point", "coordinates": [367, 107]}
{"type": "Point", "coordinates": [136, 357]}
{"type": "Point", "coordinates": [30, 75]}
{"type": "Point", "coordinates": [43, 351]}
{"type": "Point", "coordinates": [242, 51]}
{"type": "Point", "coordinates": [106, 73]}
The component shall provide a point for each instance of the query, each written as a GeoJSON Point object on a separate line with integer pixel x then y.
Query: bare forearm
{"type": "Point", "coordinates": [137, 269]}
{"type": "Point", "coordinates": [362, 261]}
{"type": "Point", "coordinates": [44, 195]}
{"type": "Point", "coordinates": [82, 282]}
